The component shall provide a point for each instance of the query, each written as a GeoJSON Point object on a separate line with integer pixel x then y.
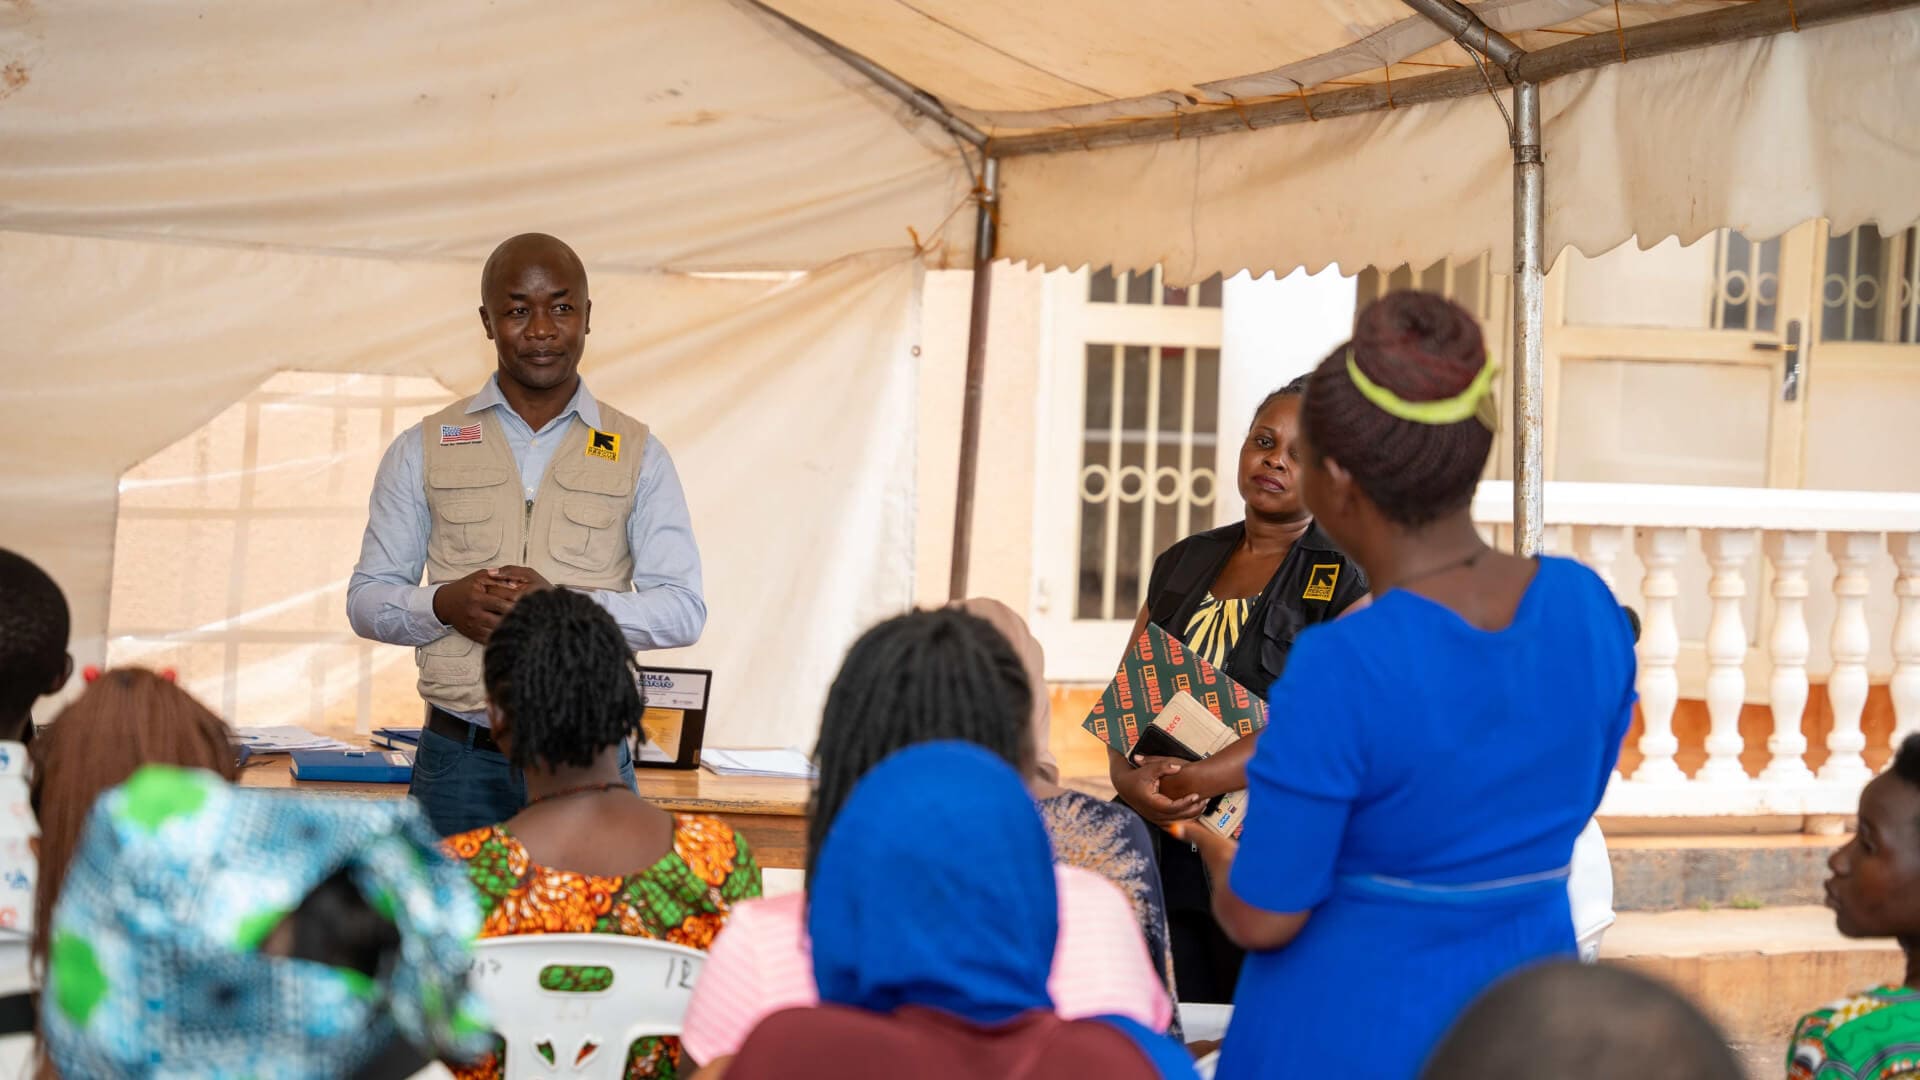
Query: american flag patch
{"type": "Point", "coordinates": [455, 436]}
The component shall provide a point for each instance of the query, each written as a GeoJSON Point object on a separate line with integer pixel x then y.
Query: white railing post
{"type": "Point", "coordinates": [1847, 686]}
{"type": "Point", "coordinates": [1717, 665]}
{"type": "Point", "coordinates": [1727, 552]}
{"type": "Point", "coordinates": [1905, 685]}
{"type": "Point", "coordinates": [1789, 645]}
{"type": "Point", "coordinates": [1660, 551]}
{"type": "Point", "coordinates": [1599, 546]}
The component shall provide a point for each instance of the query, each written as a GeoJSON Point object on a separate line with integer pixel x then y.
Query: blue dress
{"type": "Point", "coordinates": [1419, 789]}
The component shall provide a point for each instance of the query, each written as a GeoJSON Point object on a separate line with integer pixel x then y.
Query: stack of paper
{"type": "Point", "coordinates": [790, 764]}
{"type": "Point", "coordinates": [283, 740]}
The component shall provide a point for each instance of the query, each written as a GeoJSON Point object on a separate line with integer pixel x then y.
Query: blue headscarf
{"type": "Point", "coordinates": [935, 887]}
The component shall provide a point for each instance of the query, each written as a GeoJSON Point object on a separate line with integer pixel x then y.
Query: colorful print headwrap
{"type": "Point", "coordinates": [154, 967]}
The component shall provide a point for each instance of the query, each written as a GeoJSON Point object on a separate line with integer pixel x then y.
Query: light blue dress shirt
{"type": "Point", "coordinates": [386, 602]}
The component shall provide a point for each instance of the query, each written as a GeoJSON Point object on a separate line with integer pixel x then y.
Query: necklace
{"type": "Point", "coordinates": [1436, 571]}
{"type": "Point", "coordinates": [583, 789]}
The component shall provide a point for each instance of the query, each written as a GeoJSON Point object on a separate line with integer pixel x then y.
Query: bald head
{"type": "Point", "coordinates": [534, 308]}
{"type": "Point", "coordinates": [1582, 1022]}
{"type": "Point", "coordinates": [516, 252]}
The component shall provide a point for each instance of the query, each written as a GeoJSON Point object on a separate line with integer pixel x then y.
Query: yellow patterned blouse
{"type": "Point", "coordinates": [1215, 627]}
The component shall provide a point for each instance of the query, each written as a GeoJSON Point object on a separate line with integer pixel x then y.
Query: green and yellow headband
{"type": "Point", "coordinates": [1476, 402]}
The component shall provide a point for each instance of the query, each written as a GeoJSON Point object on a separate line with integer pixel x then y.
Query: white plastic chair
{"type": "Point", "coordinates": [1200, 1022]}
{"type": "Point", "coordinates": [588, 1033]}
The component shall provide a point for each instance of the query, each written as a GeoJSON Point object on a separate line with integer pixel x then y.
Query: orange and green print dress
{"type": "Point", "coordinates": [684, 899]}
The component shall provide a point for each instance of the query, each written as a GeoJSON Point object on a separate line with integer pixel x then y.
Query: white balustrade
{"type": "Point", "coordinates": [1904, 686]}
{"type": "Point", "coordinates": [1727, 552]}
{"type": "Point", "coordinates": [1787, 747]}
{"type": "Point", "coordinates": [1701, 640]}
{"type": "Point", "coordinates": [1847, 686]}
{"type": "Point", "coordinates": [1660, 550]}
{"type": "Point", "coordinates": [1599, 547]}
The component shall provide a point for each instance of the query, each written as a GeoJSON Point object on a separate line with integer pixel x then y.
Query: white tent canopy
{"type": "Point", "coordinates": [709, 135]}
{"type": "Point", "coordinates": [194, 195]}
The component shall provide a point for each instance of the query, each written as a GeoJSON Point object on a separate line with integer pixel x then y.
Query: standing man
{"type": "Point", "coordinates": [528, 484]}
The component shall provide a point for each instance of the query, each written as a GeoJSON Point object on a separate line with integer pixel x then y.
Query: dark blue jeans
{"type": "Point", "coordinates": [462, 787]}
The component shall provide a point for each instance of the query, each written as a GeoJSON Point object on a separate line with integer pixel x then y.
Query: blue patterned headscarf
{"type": "Point", "coordinates": [154, 967]}
{"type": "Point", "coordinates": [935, 887]}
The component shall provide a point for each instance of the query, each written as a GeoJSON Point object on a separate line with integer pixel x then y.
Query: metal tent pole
{"type": "Point", "coordinates": [1529, 256]}
{"type": "Point", "coordinates": [1529, 316]}
{"type": "Point", "coordinates": [984, 240]}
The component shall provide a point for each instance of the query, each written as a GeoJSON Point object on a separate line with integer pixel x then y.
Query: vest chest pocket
{"type": "Point", "coordinates": [467, 528]}
{"type": "Point", "coordinates": [449, 667]}
{"type": "Point", "coordinates": [587, 532]}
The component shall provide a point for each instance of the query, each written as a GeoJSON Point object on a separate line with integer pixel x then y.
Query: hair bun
{"type": "Point", "coordinates": [1419, 345]}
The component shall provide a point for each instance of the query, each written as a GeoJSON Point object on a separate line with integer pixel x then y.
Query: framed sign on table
{"type": "Point", "coordinates": [675, 721]}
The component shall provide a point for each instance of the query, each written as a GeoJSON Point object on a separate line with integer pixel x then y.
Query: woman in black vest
{"type": "Point", "coordinates": [1237, 596]}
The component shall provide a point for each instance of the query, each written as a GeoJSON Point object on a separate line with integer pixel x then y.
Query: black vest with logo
{"type": "Point", "coordinates": [1314, 583]}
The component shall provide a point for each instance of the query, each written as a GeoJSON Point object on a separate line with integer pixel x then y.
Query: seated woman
{"type": "Point", "coordinates": [932, 917]}
{"type": "Point", "coordinates": [923, 677]}
{"type": "Point", "coordinates": [208, 930]}
{"type": "Point", "coordinates": [126, 718]}
{"type": "Point", "coordinates": [1874, 893]}
{"type": "Point", "coordinates": [588, 854]}
{"type": "Point", "coordinates": [1091, 834]}
{"type": "Point", "coordinates": [1429, 761]}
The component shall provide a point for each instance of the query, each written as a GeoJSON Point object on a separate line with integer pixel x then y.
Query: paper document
{"type": "Point", "coordinates": [283, 740]}
{"type": "Point", "coordinates": [791, 764]}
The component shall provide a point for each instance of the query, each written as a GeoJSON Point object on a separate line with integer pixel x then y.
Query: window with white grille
{"type": "Point", "coordinates": [1870, 287]}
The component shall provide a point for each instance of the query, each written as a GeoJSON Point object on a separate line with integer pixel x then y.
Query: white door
{"type": "Point", "coordinates": [1129, 454]}
{"type": "Point", "coordinates": [1146, 394]}
{"type": "Point", "coordinates": [1681, 365]}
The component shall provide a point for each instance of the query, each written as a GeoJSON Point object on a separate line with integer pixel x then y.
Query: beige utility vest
{"type": "Point", "coordinates": [572, 532]}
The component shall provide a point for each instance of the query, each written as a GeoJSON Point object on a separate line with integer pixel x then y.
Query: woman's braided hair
{"type": "Point", "coordinates": [561, 671]}
{"type": "Point", "coordinates": [1422, 347]}
{"type": "Point", "coordinates": [921, 677]}
{"type": "Point", "coordinates": [1294, 389]}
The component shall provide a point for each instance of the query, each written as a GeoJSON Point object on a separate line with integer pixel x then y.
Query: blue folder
{"type": "Point", "coordinates": [354, 766]}
{"type": "Point", "coordinates": [397, 738]}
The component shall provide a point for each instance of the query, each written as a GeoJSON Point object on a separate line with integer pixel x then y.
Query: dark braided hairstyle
{"type": "Point", "coordinates": [921, 677]}
{"type": "Point", "coordinates": [1423, 347]}
{"type": "Point", "coordinates": [560, 670]}
{"type": "Point", "coordinates": [34, 625]}
{"type": "Point", "coordinates": [1296, 388]}
{"type": "Point", "coordinates": [1906, 762]}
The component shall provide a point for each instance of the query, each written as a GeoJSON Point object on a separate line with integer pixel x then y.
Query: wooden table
{"type": "Point", "coordinates": [771, 813]}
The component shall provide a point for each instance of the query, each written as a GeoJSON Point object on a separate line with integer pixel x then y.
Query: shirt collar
{"type": "Point", "coordinates": [1316, 540]}
{"type": "Point", "coordinates": [582, 402]}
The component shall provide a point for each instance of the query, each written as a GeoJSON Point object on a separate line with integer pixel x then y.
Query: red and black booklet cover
{"type": "Point", "coordinates": [1157, 667]}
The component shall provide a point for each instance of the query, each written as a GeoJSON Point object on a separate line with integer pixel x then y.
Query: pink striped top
{"type": "Point", "coordinates": [760, 964]}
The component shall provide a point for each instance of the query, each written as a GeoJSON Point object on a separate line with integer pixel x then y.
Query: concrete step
{"type": "Point", "coordinates": [1754, 972]}
{"type": "Point", "coordinates": [1673, 873]}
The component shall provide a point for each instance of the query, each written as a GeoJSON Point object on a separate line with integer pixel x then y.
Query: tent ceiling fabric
{"type": "Point", "coordinates": [1777, 130]}
{"type": "Point", "coordinates": [1010, 67]}
{"type": "Point", "coordinates": [674, 134]}
{"type": "Point", "coordinates": [708, 135]}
